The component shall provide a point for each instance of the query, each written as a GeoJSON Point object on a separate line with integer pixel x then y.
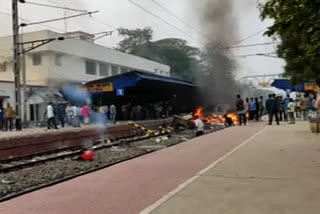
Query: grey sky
{"type": "Point", "coordinates": [121, 13]}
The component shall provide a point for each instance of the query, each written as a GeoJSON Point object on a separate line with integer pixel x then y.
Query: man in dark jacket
{"type": "Point", "coordinates": [241, 110]}
{"type": "Point", "coordinates": [273, 107]}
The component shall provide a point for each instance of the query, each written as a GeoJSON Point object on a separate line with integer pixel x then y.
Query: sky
{"type": "Point", "coordinates": [121, 13]}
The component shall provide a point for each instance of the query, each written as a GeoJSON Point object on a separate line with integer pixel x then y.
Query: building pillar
{"type": "Point", "coordinates": [110, 70]}
{"type": "Point", "coordinates": [119, 69]}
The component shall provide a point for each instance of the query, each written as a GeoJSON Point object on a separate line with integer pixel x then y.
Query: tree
{"type": "Point", "coordinates": [297, 24]}
{"type": "Point", "coordinates": [174, 52]}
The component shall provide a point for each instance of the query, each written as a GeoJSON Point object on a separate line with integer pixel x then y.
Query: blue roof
{"type": "Point", "coordinates": [285, 84]}
{"type": "Point", "coordinates": [132, 78]}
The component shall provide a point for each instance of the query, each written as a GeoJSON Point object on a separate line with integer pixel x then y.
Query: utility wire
{"type": "Point", "coordinates": [161, 19]}
{"type": "Point", "coordinates": [249, 37]}
{"type": "Point", "coordinates": [58, 19]}
{"type": "Point", "coordinates": [53, 6]}
{"type": "Point", "coordinates": [104, 23]}
{"type": "Point", "coordinates": [257, 54]}
{"type": "Point", "coordinates": [24, 19]}
{"type": "Point", "coordinates": [182, 21]}
{"type": "Point", "coordinates": [93, 17]}
{"type": "Point", "coordinates": [253, 45]}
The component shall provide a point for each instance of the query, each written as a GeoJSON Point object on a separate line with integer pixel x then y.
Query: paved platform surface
{"type": "Point", "coordinates": [278, 172]}
{"type": "Point", "coordinates": [130, 187]}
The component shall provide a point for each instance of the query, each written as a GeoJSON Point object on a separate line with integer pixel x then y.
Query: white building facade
{"type": "Point", "coordinates": [76, 59]}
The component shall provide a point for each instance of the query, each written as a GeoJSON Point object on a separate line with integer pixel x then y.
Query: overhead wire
{"type": "Point", "coordinates": [53, 6]}
{"type": "Point", "coordinates": [253, 45]}
{"type": "Point", "coordinates": [182, 21]}
{"type": "Point", "coordinates": [163, 20]}
{"type": "Point", "coordinates": [249, 37]}
{"type": "Point", "coordinates": [59, 19]}
{"type": "Point", "coordinates": [255, 54]}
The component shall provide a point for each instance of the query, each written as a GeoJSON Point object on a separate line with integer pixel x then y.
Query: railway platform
{"type": "Point", "coordinates": [252, 169]}
{"type": "Point", "coordinates": [276, 172]}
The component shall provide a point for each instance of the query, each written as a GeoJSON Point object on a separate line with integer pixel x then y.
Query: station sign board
{"type": "Point", "coordinates": [120, 92]}
{"type": "Point", "coordinates": [100, 87]}
{"type": "Point", "coordinates": [311, 87]}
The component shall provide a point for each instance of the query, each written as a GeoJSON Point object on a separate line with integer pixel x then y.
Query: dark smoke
{"type": "Point", "coordinates": [216, 76]}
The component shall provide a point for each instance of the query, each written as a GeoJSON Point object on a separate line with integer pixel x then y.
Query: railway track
{"type": "Point", "coordinates": [22, 175]}
{"type": "Point", "coordinates": [38, 144]}
{"type": "Point", "coordinates": [28, 161]}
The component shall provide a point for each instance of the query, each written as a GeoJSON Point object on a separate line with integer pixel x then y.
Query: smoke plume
{"type": "Point", "coordinates": [219, 23]}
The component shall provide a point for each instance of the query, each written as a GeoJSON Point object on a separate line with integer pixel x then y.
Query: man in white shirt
{"type": "Point", "coordinates": [199, 126]}
{"type": "Point", "coordinates": [291, 109]}
{"type": "Point", "coordinates": [50, 116]}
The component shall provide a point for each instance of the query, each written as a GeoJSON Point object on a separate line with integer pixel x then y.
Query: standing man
{"type": "Point", "coordinates": [85, 112]}
{"type": "Point", "coordinates": [50, 116]}
{"type": "Point", "coordinates": [69, 113]}
{"type": "Point", "coordinates": [257, 113]}
{"type": "Point", "coordinates": [291, 109]}
{"type": "Point", "coordinates": [269, 107]}
{"type": "Point", "coordinates": [276, 109]}
{"type": "Point", "coordinates": [113, 113]}
{"type": "Point", "coordinates": [199, 126]}
{"type": "Point", "coordinates": [253, 109]}
{"type": "Point", "coordinates": [241, 110]}
{"type": "Point", "coordinates": [9, 114]}
{"type": "Point", "coordinates": [61, 114]}
{"type": "Point", "coordinates": [261, 108]}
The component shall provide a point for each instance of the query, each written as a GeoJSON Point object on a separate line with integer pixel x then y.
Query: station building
{"type": "Point", "coordinates": [76, 59]}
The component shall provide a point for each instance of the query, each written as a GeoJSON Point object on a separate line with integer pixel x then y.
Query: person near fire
{"type": "Point", "coordinates": [199, 126]}
{"type": "Point", "coordinates": [241, 110]}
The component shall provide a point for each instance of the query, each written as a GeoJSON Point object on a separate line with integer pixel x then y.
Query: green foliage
{"type": "Point", "coordinates": [297, 24]}
{"type": "Point", "coordinates": [171, 51]}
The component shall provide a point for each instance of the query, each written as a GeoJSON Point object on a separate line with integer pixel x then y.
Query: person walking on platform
{"type": "Point", "coordinates": [241, 110]}
{"type": "Point", "coordinates": [9, 114]}
{"type": "Point", "coordinates": [291, 109]}
{"type": "Point", "coordinates": [51, 116]}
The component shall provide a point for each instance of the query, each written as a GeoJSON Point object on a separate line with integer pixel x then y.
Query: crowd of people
{"type": "Point", "coordinates": [74, 116]}
{"type": "Point", "coordinates": [277, 108]}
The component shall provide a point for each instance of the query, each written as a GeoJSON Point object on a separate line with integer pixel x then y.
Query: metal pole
{"type": "Point", "coordinates": [24, 83]}
{"type": "Point", "coordinates": [16, 62]}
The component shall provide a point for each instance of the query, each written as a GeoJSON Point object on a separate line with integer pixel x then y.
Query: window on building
{"type": "Point", "coordinates": [91, 68]}
{"type": "Point", "coordinates": [3, 67]}
{"type": "Point", "coordinates": [104, 69]}
{"type": "Point", "coordinates": [114, 70]}
{"type": "Point", "coordinates": [36, 59]}
{"type": "Point", "coordinates": [58, 61]}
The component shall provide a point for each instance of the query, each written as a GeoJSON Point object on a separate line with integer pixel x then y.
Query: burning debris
{"type": "Point", "coordinates": [228, 119]}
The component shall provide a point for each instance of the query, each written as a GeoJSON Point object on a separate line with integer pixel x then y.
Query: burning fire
{"type": "Point", "coordinates": [213, 118]}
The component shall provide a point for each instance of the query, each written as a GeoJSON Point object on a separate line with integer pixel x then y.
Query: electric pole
{"type": "Point", "coordinates": [16, 62]}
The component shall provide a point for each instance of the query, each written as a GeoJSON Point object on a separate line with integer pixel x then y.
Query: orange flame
{"type": "Point", "coordinates": [215, 118]}
{"type": "Point", "coordinates": [199, 112]}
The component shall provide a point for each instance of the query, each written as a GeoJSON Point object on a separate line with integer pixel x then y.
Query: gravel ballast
{"type": "Point", "coordinates": [20, 180]}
